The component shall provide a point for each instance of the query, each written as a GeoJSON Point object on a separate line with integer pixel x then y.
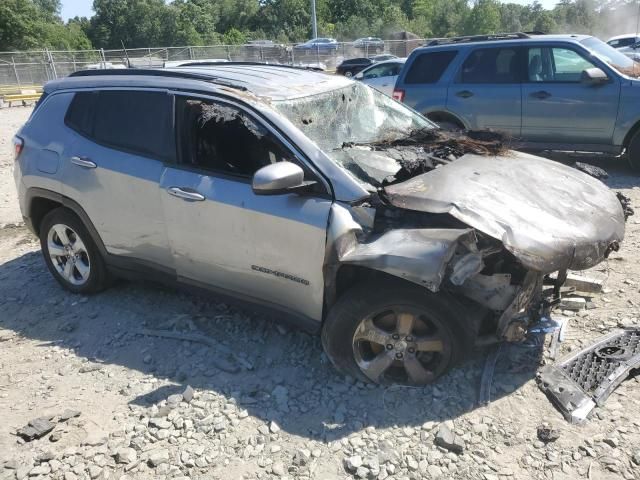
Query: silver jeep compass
{"type": "Point", "coordinates": [310, 195]}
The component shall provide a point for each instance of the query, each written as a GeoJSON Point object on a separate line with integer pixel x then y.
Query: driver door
{"type": "Point", "coordinates": [558, 108]}
{"type": "Point", "coordinates": [268, 249]}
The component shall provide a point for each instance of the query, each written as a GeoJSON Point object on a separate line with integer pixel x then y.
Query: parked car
{"type": "Point", "coordinates": [382, 57]}
{"type": "Point", "coordinates": [310, 195]}
{"type": "Point", "coordinates": [318, 44]}
{"type": "Point", "coordinates": [372, 44]}
{"type": "Point", "coordinates": [383, 75]}
{"type": "Point", "coordinates": [351, 66]}
{"type": "Point", "coordinates": [622, 41]}
{"type": "Point", "coordinates": [551, 92]}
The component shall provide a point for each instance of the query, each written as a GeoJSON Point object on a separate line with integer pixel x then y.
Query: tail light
{"type": "Point", "coordinates": [18, 145]}
{"type": "Point", "coordinates": [398, 95]}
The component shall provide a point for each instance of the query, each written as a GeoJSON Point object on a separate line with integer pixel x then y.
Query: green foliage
{"type": "Point", "coordinates": [34, 24]}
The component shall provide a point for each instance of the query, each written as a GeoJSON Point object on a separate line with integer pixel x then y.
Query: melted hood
{"type": "Point", "coordinates": [548, 215]}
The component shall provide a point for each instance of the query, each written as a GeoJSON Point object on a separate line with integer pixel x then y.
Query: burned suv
{"type": "Point", "coordinates": [311, 195]}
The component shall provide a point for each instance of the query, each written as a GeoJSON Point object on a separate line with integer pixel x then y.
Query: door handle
{"type": "Point", "coordinates": [185, 194]}
{"type": "Point", "coordinates": [541, 94]}
{"type": "Point", "coordinates": [464, 94]}
{"type": "Point", "coordinates": [83, 162]}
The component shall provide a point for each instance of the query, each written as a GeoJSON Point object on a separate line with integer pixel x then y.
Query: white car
{"type": "Point", "coordinates": [622, 41]}
{"type": "Point", "coordinates": [383, 75]}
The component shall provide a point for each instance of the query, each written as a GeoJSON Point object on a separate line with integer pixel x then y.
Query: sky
{"type": "Point", "coordinates": [82, 8]}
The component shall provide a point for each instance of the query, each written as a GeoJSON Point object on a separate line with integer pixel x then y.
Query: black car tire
{"type": "Point", "coordinates": [360, 305]}
{"type": "Point", "coordinates": [87, 272]}
{"type": "Point", "coordinates": [633, 152]}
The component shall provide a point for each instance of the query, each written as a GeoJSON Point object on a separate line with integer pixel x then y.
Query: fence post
{"type": "Point", "coordinates": [15, 71]}
{"type": "Point", "coordinates": [104, 60]}
{"type": "Point", "coordinates": [190, 53]}
{"type": "Point", "coordinates": [53, 65]}
{"type": "Point", "coordinates": [73, 59]}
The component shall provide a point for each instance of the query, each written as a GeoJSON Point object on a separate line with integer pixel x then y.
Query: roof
{"type": "Point", "coordinates": [626, 35]}
{"type": "Point", "coordinates": [509, 38]}
{"type": "Point", "coordinates": [274, 82]}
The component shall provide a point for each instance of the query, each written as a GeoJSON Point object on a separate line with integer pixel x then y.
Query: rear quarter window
{"type": "Point", "coordinates": [80, 113]}
{"type": "Point", "coordinates": [429, 67]}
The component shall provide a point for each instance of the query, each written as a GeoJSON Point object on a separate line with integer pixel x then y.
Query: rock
{"type": "Point", "coordinates": [94, 471]}
{"type": "Point", "coordinates": [91, 367]}
{"type": "Point", "coordinates": [188, 393]}
{"type": "Point", "coordinates": [353, 463]}
{"type": "Point", "coordinates": [412, 463]}
{"type": "Point", "coordinates": [126, 455]}
{"type": "Point", "coordinates": [43, 469]}
{"type": "Point", "coordinates": [301, 457]}
{"type": "Point", "coordinates": [613, 442]}
{"type": "Point", "coordinates": [68, 414]}
{"type": "Point", "coordinates": [434, 471]}
{"type": "Point", "coordinates": [362, 472]}
{"type": "Point", "coordinates": [70, 476]}
{"type": "Point", "coordinates": [635, 458]}
{"type": "Point", "coordinates": [547, 433]}
{"type": "Point", "coordinates": [278, 469]}
{"type": "Point", "coordinates": [55, 436]}
{"type": "Point", "coordinates": [36, 428]}
{"type": "Point", "coordinates": [159, 457]}
{"type": "Point", "coordinates": [174, 400]}
{"type": "Point", "coordinates": [445, 438]}
{"type": "Point", "coordinates": [159, 423]}
{"type": "Point", "coordinates": [273, 427]}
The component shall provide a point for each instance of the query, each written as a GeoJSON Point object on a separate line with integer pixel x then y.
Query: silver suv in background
{"type": "Point", "coordinates": [310, 195]}
{"type": "Point", "coordinates": [549, 92]}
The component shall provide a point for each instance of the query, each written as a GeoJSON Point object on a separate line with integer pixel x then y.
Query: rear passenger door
{"type": "Point", "coordinates": [486, 92]}
{"type": "Point", "coordinates": [558, 108]}
{"type": "Point", "coordinates": [269, 249]}
{"type": "Point", "coordinates": [121, 139]}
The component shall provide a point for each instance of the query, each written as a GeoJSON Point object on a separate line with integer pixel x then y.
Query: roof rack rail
{"type": "Point", "coordinates": [481, 38]}
{"type": "Point", "coordinates": [148, 72]}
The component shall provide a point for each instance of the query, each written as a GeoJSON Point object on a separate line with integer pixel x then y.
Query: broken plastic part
{"type": "Point", "coordinates": [584, 379]}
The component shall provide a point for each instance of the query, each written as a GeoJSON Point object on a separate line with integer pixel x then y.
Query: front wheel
{"type": "Point", "coordinates": [71, 254]}
{"type": "Point", "coordinates": [633, 152]}
{"type": "Point", "coordinates": [348, 74]}
{"type": "Point", "coordinates": [395, 332]}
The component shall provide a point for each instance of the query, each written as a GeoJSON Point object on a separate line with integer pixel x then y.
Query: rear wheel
{"type": "Point", "coordinates": [633, 152]}
{"type": "Point", "coordinates": [394, 332]}
{"type": "Point", "coordinates": [71, 254]}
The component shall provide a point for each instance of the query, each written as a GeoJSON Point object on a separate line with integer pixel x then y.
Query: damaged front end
{"type": "Point", "coordinates": [463, 214]}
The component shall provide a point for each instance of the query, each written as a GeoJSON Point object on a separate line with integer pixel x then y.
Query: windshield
{"type": "Point", "coordinates": [612, 57]}
{"type": "Point", "coordinates": [355, 114]}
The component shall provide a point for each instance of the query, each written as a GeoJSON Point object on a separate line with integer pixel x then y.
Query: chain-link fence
{"type": "Point", "coordinates": [34, 68]}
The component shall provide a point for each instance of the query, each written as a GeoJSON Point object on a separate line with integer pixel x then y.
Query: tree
{"type": "Point", "coordinates": [484, 18]}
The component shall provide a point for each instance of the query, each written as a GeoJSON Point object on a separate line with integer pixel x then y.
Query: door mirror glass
{"type": "Point", "coordinates": [359, 76]}
{"type": "Point", "coordinates": [278, 178]}
{"type": "Point", "coordinates": [594, 76]}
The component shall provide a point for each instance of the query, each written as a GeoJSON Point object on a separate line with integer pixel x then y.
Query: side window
{"type": "Point", "coordinates": [568, 65]}
{"type": "Point", "coordinates": [81, 112]}
{"type": "Point", "coordinates": [375, 72]}
{"type": "Point", "coordinates": [491, 65]}
{"type": "Point", "coordinates": [222, 138]}
{"type": "Point", "coordinates": [556, 65]}
{"type": "Point", "coordinates": [429, 67]}
{"type": "Point", "coordinates": [140, 122]}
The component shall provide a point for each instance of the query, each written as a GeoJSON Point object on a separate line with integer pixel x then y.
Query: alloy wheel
{"type": "Point", "coordinates": [401, 345]}
{"type": "Point", "coordinates": [68, 254]}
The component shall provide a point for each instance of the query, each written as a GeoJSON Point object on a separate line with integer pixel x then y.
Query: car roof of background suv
{"type": "Point", "coordinates": [572, 38]}
{"type": "Point", "coordinates": [267, 82]}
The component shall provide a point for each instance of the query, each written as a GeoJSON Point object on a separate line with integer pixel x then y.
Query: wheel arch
{"type": "Point", "coordinates": [41, 201]}
{"type": "Point", "coordinates": [631, 133]}
{"type": "Point", "coordinates": [439, 116]}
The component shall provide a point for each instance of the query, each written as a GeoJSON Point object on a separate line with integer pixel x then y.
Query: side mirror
{"type": "Point", "coordinates": [594, 77]}
{"type": "Point", "coordinates": [279, 178]}
{"type": "Point", "coordinates": [359, 76]}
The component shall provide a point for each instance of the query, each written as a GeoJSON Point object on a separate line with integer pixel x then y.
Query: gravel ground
{"type": "Point", "coordinates": [247, 398]}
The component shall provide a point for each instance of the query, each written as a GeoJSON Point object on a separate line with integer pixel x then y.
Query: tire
{"type": "Point", "coordinates": [449, 126]}
{"type": "Point", "coordinates": [633, 152]}
{"type": "Point", "coordinates": [362, 335]}
{"type": "Point", "coordinates": [70, 253]}
{"type": "Point", "coordinates": [348, 74]}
